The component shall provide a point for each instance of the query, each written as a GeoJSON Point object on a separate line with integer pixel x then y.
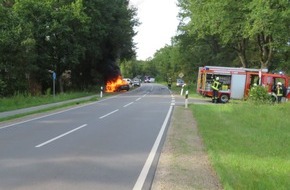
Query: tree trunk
{"type": "Point", "coordinates": [60, 82]}
{"type": "Point", "coordinates": [265, 48]}
{"type": "Point", "coordinates": [241, 51]}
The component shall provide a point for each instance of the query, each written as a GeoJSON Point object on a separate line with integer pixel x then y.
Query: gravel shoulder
{"type": "Point", "coordinates": [183, 163]}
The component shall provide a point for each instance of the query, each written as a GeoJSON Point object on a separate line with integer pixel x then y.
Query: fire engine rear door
{"type": "Point", "coordinates": [238, 86]}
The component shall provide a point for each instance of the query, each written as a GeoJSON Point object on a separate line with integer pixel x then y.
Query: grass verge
{"type": "Point", "coordinates": [25, 101]}
{"type": "Point", "coordinates": [248, 144]}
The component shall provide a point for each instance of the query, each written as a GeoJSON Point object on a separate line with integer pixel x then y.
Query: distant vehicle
{"type": "Point", "coordinates": [116, 85]}
{"type": "Point", "coordinates": [151, 80]}
{"type": "Point", "coordinates": [146, 79]}
{"type": "Point", "coordinates": [129, 81]}
{"type": "Point", "coordinates": [136, 82]}
{"type": "Point", "coordinates": [179, 82]}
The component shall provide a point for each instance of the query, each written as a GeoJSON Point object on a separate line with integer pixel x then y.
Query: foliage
{"type": "Point", "coordinates": [131, 68]}
{"type": "Point", "coordinates": [238, 23]}
{"type": "Point", "coordinates": [259, 95]}
{"type": "Point", "coordinates": [243, 33]}
{"type": "Point", "coordinates": [86, 38]}
{"type": "Point", "coordinates": [247, 144]}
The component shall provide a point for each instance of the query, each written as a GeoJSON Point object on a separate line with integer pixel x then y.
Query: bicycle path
{"type": "Point", "coordinates": [42, 107]}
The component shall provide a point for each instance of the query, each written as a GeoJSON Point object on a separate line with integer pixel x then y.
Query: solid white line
{"type": "Point", "coordinates": [138, 99]}
{"type": "Point", "coordinates": [128, 104]}
{"type": "Point", "coordinates": [58, 137]}
{"type": "Point", "coordinates": [143, 175]}
{"type": "Point", "coordinates": [109, 114]}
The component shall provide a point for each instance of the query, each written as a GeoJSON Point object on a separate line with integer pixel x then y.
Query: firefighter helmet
{"type": "Point", "coordinates": [217, 78]}
{"type": "Point", "coordinates": [279, 83]}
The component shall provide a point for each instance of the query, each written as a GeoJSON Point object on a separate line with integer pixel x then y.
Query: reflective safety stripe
{"type": "Point", "coordinates": [279, 91]}
{"type": "Point", "coordinates": [215, 85]}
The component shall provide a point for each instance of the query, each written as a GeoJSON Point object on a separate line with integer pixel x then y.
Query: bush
{"type": "Point", "coordinates": [260, 95]}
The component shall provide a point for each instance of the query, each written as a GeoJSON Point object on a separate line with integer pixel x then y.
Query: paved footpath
{"type": "Point", "coordinates": [42, 107]}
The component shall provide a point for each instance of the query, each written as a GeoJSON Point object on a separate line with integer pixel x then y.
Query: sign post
{"type": "Point", "coordinates": [101, 93]}
{"type": "Point", "coordinates": [180, 76]}
{"type": "Point", "coordinates": [53, 82]}
{"type": "Point", "coordinates": [186, 99]}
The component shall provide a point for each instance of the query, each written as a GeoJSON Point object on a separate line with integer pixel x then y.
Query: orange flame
{"type": "Point", "coordinates": [113, 85]}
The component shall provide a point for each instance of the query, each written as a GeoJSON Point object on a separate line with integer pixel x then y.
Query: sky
{"type": "Point", "coordinates": [159, 23]}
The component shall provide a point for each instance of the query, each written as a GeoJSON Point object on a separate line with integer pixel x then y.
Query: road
{"type": "Point", "coordinates": [110, 144]}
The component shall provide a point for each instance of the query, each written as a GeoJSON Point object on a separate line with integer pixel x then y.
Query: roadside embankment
{"type": "Point", "coordinates": [183, 163]}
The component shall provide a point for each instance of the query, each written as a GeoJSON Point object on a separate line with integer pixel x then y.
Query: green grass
{"type": "Point", "coordinates": [24, 101]}
{"type": "Point", "coordinates": [249, 145]}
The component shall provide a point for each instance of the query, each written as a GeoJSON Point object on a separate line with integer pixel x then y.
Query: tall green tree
{"type": "Point", "coordinates": [111, 37]}
{"type": "Point", "coordinates": [89, 38]}
{"type": "Point", "coordinates": [55, 28]}
{"type": "Point", "coordinates": [16, 50]}
{"type": "Point", "coordinates": [268, 23]}
{"type": "Point", "coordinates": [246, 26]}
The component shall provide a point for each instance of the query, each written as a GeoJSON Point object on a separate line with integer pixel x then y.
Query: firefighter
{"type": "Point", "coordinates": [169, 82]}
{"type": "Point", "coordinates": [215, 89]}
{"type": "Point", "coordinates": [279, 91]}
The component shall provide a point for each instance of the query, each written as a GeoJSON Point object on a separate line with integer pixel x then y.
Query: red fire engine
{"type": "Point", "coordinates": [236, 82]}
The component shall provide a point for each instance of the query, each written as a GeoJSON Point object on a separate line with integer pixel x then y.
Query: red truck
{"type": "Point", "coordinates": [237, 82]}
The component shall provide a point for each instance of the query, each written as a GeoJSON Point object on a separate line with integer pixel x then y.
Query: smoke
{"type": "Point", "coordinates": [111, 70]}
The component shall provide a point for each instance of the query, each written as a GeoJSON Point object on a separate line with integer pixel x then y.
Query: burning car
{"type": "Point", "coordinates": [117, 85]}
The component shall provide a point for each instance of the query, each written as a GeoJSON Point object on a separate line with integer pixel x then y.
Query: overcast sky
{"type": "Point", "coordinates": [158, 24]}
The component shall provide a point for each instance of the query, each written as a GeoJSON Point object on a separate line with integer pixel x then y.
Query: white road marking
{"type": "Point", "coordinates": [60, 136]}
{"type": "Point", "coordinates": [128, 104]}
{"type": "Point", "coordinates": [143, 175]}
{"type": "Point", "coordinates": [138, 99]}
{"type": "Point", "coordinates": [109, 114]}
{"type": "Point", "coordinates": [172, 100]}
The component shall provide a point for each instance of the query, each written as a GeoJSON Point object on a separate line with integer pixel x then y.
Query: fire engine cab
{"type": "Point", "coordinates": [237, 82]}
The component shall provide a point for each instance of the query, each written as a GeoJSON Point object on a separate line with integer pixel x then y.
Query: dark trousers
{"type": "Point", "coordinates": [215, 96]}
{"type": "Point", "coordinates": [279, 99]}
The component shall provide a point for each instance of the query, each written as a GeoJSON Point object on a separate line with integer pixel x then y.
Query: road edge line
{"type": "Point", "coordinates": [143, 175]}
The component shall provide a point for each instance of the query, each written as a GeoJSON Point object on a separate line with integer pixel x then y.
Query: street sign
{"type": "Point", "coordinates": [54, 75]}
{"type": "Point", "coordinates": [181, 75]}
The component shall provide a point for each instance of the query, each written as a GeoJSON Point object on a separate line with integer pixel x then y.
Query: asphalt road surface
{"type": "Point", "coordinates": [109, 144]}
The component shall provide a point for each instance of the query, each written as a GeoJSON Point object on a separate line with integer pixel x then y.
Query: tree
{"type": "Point", "coordinates": [56, 27]}
{"type": "Point", "coordinates": [238, 24]}
{"type": "Point", "coordinates": [16, 47]}
{"type": "Point", "coordinates": [268, 22]}
{"type": "Point", "coordinates": [111, 36]}
{"type": "Point", "coordinates": [89, 38]}
{"type": "Point", "coordinates": [222, 19]}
